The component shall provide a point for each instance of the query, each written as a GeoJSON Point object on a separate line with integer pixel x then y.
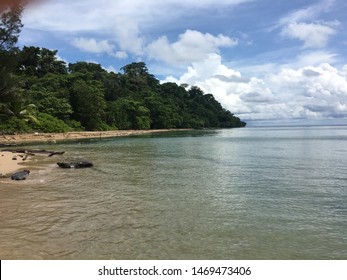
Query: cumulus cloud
{"type": "Point", "coordinates": [313, 58]}
{"type": "Point", "coordinates": [121, 54]}
{"type": "Point", "coordinates": [191, 46]}
{"type": "Point", "coordinates": [308, 92]}
{"type": "Point", "coordinates": [128, 35]}
{"type": "Point", "coordinates": [226, 84]}
{"type": "Point", "coordinates": [314, 35]}
{"type": "Point", "coordinates": [304, 25]}
{"type": "Point", "coordinates": [93, 46]}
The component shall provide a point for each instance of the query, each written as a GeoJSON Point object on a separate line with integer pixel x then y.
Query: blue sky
{"type": "Point", "coordinates": [264, 60]}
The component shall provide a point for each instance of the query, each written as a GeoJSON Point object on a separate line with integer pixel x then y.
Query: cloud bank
{"type": "Point", "coordinates": [309, 92]}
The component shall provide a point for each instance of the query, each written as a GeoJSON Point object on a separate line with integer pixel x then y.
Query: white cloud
{"type": "Point", "coordinates": [127, 34]}
{"type": "Point", "coordinates": [313, 58]}
{"type": "Point", "coordinates": [192, 46]}
{"type": "Point", "coordinates": [121, 55]}
{"type": "Point", "coordinates": [93, 46]}
{"type": "Point", "coordinates": [308, 92]}
{"type": "Point", "coordinates": [87, 15]}
{"type": "Point", "coordinates": [319, 92]}
{"type": "Point", "coordinates": [307, 14]}
{"type": "Point", "coordinates": [314, 35]}
{"type": "Point", "coordinates": [304, 25]}
{"type": "Point", "coordinates": [124, 22]}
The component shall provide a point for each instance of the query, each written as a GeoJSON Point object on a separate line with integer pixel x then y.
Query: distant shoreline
{"type": "Point", "coordinates": [53, 137]}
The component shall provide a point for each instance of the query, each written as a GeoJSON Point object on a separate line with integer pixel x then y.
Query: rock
{"type": "Point", "coordinates": [75, 164]}
{"type": "Point", "coordinates": [64, 165]}
{"type": "Point", "coordinates": [20, 175]}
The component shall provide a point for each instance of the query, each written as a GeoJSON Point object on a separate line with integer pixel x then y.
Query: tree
{"type": "Point", "coordinates": [135, 69]}
{"type": "Point", "coordinates": [130, 114]}
{"type": "Point", "coordinates": [10, 28]}
{"type": "Point", "coordinates": [87, 100]}
{"type": "Point", "coordinates": [39, 62]}
{"type": "Point", "coordinates": [29, 60]}
{"type": "Point", "coordinates": [136, 78]}
{"type": "Point", "coordinates": [7, 80]}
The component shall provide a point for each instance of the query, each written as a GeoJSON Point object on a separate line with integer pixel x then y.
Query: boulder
{"type": "Point", "coordinates": [20, 175]}
{"type": "Point", "coordinates": [75, 164]}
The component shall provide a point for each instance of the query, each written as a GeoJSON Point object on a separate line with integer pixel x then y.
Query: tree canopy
{"type": "Point", "coordinates": [39, 92]}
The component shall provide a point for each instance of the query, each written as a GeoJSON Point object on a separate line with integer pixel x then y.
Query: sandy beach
{"type": "Point", "coordinates": [52, 137]}
{"type": "Point", "coordinates": [11, 162]}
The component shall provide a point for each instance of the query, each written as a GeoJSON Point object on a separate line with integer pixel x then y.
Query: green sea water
{"type": "Point", "coordinates": [250, 193]}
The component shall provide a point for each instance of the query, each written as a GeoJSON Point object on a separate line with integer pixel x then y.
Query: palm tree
{"type": "Point", "coordinates": [26, 112]}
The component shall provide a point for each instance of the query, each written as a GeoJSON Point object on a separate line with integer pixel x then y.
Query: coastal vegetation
{"type": "Point", "coordinates": [40, 93]}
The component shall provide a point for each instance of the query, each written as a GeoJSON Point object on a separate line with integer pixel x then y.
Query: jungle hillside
{"type": "Point", "coordinates": [40, 93]}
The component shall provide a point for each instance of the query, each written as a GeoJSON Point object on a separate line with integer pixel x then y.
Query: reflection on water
{"type": "Point", "coordinates": [218, 194]}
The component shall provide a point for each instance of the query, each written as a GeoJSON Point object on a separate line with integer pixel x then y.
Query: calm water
{"type": "Point", "coordinates": [251, 193]}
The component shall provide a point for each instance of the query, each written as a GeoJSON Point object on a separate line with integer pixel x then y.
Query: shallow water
{"type": "Point", "coordinates": [251, 193]}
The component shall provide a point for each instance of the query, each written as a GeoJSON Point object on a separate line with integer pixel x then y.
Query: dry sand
{"type": "Point", "coordinates": [8, 165]}
{"type": "Point", "coordinates": [52, 137]}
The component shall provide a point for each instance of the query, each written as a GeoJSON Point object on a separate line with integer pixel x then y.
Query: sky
{"type": "Point", "coordinates": [267, 61]}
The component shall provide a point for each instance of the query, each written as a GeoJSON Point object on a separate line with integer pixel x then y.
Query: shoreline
{"type": "Point", "coordinates": [9, 166]}
{"type": "Point", "coordinates": [53, 137]}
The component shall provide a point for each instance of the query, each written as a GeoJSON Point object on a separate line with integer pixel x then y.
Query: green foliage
{"type": "Point", "coordinates": [48, 124]}
{"type": "Point", "coordinates": [39, 62]}
{"type": "Point", "coordinates": [74, 125]}
{"type": "Point", "coordinates": [15, 125]}
{"type": "Point", "coordinates": [51, 95]}
{"type": "Point", "coordinates": [86, 97]}
{"type": "Point", "coordinates": [88, 103]}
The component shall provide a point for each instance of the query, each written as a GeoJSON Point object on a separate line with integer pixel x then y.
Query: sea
{"type": "Point", "coordinates": [257, 193]}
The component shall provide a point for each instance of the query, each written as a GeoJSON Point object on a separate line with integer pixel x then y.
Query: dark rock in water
{"type": "Point", "coordinates": [75, 164]}
{"type": "Point", "coordinates": [64, 165]}
{"type": "Point", "coordinates": [20, 175]}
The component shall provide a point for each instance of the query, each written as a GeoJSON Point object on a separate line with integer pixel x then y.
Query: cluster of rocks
{"type": "Point", "coordinates": [23, 174]}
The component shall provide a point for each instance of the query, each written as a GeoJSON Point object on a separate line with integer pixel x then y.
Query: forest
{"type": "Point", "coordinates": [40, 93]}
